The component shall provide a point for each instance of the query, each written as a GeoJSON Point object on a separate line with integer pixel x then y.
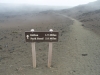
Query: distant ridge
{"type": "Point", "coordinates": [78, 10]}
{"type": "Point", "coordinates": [30, 7]}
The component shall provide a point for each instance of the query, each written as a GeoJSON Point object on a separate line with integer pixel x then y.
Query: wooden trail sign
{"type": "Point", "coordinates": [41, 36]}
{"type": "Point", "coordinates": [50, 36]}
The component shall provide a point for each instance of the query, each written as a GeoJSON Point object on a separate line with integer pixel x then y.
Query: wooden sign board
{"type": "Point", "coordinates": [41, 36]}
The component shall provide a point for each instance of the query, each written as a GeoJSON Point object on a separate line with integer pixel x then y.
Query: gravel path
{"type": "Point", "coordinates": [83, 50]}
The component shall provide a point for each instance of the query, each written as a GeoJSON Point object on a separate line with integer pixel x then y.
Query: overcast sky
{"type": "Point", "coordinates": [50, 2]}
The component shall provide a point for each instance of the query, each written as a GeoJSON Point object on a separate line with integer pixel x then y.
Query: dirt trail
{"type": "Point", "coordinates": [83, 49]}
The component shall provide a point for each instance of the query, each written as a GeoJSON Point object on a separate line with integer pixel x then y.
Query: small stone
{"type": "Point", "coordinates": [84, 54]}
{"type": "Point", "coordinates": [82, 24]}
{"type": "Point", "coordinates": [6, 45]}
{"type": "Point", "coordinates": [0, 47]}
{"type": "Point", "coordinates": [74, 71]}
{"type": "Point", "coordinates": [39, 49]}
{"type": "Point", "coordinates": [1, 38]}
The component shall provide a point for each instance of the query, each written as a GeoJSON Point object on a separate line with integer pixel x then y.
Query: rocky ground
{"type": "Point", "coordinates": [76, 53]}
{"type": "Point", "coordinates": [15, 53]}
{"type": "Point", "coordinates": [91, 20]}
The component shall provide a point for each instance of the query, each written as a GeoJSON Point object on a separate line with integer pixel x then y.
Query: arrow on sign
{"type": "Point", "coordinates": [27, 36]}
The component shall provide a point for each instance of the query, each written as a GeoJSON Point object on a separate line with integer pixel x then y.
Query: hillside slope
{"type": "Point", "coordinates": [91, 20]}
{"type": "Point", "coordinates": [88, 14]}
{"type": "Point", "coordinates": [78, 10]}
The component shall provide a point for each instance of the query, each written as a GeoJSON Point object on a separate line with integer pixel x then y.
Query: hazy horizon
{"type": "Point", "coordinates": [49, 2]}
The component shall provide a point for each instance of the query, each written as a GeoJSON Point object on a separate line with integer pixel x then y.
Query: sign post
{"type": "Point", "coordinates": [33, 52]}
{"type": "Point", "coordinates": [50, 52]}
